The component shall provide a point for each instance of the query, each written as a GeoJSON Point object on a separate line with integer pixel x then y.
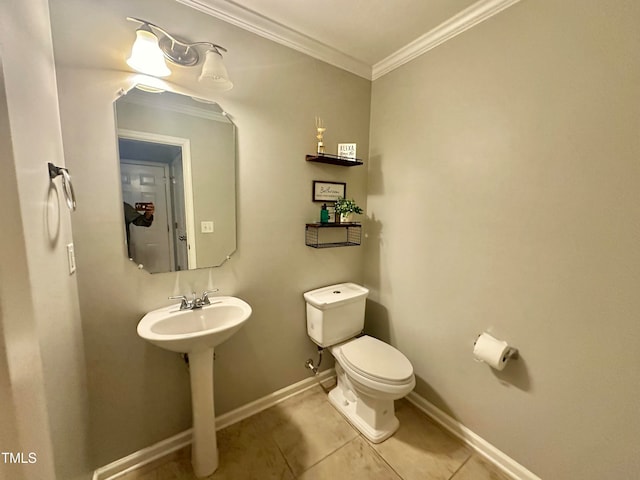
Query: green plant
{"type": "Point", "coordinates": [344, 205]}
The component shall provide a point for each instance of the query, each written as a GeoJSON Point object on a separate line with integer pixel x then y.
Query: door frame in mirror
{"type": "Point", "coordinates": [185, 145]}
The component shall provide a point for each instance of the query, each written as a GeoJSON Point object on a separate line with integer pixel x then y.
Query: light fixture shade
{"type": "Point", "coordinates": [214, 73]}
{"type": "Point", "coordinates": [146, 56]}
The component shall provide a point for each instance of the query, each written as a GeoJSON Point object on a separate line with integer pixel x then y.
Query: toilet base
{"type": "Point", "coordinates": [350, 408]}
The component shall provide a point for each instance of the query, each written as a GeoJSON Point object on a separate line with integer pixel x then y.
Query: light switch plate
{"type": "Point", "coordinates": [71, 257]}
{"type": "Point", "coordinates": [206, 227]}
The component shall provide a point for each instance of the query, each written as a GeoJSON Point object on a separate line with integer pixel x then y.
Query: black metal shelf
{"type": "Point", "coordinates": [334, 224]}
{"type": "Point", "coordinates": [352, 235]}
{"type": "Point", "coordinates": [334, 160]}
{"type": "Point", "coordinates": [334, 244]}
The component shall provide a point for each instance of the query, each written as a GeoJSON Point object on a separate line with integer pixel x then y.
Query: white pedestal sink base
{"type": "Point", "coordinates": [197, 332]}
{"type": "Point", "coordinates": [204, 448]}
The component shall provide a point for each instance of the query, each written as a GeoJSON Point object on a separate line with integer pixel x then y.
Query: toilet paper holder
{"type": "Point", "coordinates": [510, 354]}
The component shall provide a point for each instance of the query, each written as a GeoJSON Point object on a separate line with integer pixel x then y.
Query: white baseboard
{"type": "Point", "coordinates": [142, 457]}
{"type": "Point", "coordinates": [505, 463]}
{"type": "Point", "coordinates": [272, 399]}
{"type": "Point", "coordinates": [147, 455]}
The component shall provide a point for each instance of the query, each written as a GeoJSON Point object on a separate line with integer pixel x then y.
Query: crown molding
{"type": "Point", "coordinates": [466, 19]}
{"type": "Point", "coordinates": [253, 22]}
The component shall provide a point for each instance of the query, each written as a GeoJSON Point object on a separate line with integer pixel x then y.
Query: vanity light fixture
{"type": "Point", "coordinates": [153, 45]}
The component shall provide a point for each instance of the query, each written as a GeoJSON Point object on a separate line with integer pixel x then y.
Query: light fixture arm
{"type": "Point", "coordinates": [176, 50]}
{"type": "Point", "coordinates": [212, 46]}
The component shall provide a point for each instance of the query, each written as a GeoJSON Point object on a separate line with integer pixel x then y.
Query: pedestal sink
{"type": "Point", "coordinates": [196, 332]}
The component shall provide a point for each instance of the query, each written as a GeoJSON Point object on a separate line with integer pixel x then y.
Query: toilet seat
{"type": "Point", "coordinates": [377, 361]}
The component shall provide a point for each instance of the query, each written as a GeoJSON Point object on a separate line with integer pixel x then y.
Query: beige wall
{"type": "Point", "coordinates": [503, 189]}
{"type": "Point", "coordinates": [42, 367]}
{"type": "Point", "coordinates": [23, 417]}
{"type": "Point", "coordinates": [138, 393]}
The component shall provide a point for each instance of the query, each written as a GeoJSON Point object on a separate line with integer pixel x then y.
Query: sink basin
{"type": "Point", "coordinates": [192, 330]}
{"type": "Point", "coordinates": [197, 332]}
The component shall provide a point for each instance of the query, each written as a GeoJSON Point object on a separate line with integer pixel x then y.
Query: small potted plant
{"type": "Point", "coordinates": [345, 208]}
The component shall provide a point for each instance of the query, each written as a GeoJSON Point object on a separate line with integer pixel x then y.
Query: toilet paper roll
{"type": "Point", "coordinates": [492, 351]}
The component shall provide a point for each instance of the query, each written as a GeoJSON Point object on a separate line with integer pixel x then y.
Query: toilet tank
{"type": "Point", "coordinates": [335, 313]}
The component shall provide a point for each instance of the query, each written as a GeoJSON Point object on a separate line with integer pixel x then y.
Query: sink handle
{"type": "Point", "coordinates": [205, 295]}
{"type": "Point", "coordinates": [184, 302]}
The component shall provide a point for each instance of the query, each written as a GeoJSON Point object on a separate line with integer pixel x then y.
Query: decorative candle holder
{"type": "Point", "coordinates": [320, 135]}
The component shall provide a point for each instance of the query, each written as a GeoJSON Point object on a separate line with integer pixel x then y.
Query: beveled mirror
{"type": "Point", "coordinates": [177, 161]}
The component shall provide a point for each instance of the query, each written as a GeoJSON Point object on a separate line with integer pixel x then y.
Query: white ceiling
{"type": "Point", "coordinates": [366, 37]}
{"type": "Point", "coordinates": [368, 30]}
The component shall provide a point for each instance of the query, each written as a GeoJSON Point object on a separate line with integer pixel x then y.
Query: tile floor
{"type": "Point", "coordinates": [305, 438]}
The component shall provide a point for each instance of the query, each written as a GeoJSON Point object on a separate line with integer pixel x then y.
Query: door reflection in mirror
{"type": "Point", "coordinates": [151, 172]}
{"type": "Point", "coordinates": [179, 155]}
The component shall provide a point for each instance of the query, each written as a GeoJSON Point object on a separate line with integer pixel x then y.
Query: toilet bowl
{"type": "Point", "coordinates": [371, 373]}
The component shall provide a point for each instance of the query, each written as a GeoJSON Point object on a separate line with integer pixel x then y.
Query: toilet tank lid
{"type": "Point", "coordinates": [335, 295]}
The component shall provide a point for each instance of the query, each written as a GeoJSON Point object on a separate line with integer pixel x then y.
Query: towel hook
{"type": "Point", "coordinates": [67, 186]}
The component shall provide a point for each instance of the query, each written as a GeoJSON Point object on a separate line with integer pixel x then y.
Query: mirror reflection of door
{"type": "Point", "coordinates": [145, 182]}
{"type": "Point", "coordinates": [153, 171]}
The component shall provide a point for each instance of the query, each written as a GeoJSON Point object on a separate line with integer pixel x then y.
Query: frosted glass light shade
{"type": "Point", "coordinates": [146, 56]}
{"type": "Point", "coordinates": [214, 73]}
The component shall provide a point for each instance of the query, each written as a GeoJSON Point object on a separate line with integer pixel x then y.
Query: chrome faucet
{"type": "Point", "coordinates": [195, 302]}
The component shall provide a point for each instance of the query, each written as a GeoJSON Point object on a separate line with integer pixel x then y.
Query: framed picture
{"type": "Point", "coordinates": [347, 150]}
{"type": "Point", "coordinates": [328, 191]}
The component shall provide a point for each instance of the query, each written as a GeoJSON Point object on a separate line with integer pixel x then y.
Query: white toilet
{"type": "Point", "coordinates": [371, 374]}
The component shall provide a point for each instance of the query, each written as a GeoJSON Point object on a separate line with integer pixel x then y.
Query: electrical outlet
{"type": "Point", "coordinates": [71, 257]}
{"type": "Point", "coordinates": [206, 227]}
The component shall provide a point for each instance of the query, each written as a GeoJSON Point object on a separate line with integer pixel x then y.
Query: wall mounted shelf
{"type": "Point", "coordinates": [333, 235]}
{"type": "Point", "coordinates": [334, 160]}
